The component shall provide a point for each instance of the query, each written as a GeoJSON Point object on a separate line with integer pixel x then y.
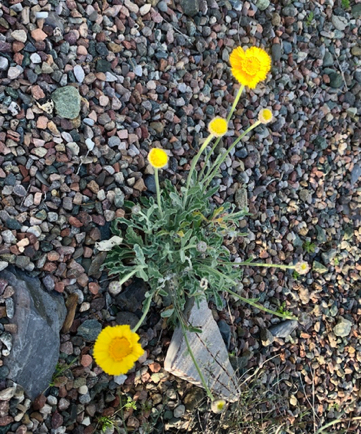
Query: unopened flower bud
{"type": "Point", "coordinates": [136, 209]}
{"type": "Point", "coordinates": [202, 247]}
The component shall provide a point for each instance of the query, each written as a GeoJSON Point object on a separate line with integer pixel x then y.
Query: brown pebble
{"type": "Point", "coordinates": [38, 35]}
{"type": "Point", "coordinates": [71, 304]}
{"type": "Point", "coordinates": [75, 222]}
{"type": "Point", "coordinates": [39, 402]}
{"type": "Point", "coordinates": [86, 360]}
{"type": "Point", "coordinates": [93, 288]}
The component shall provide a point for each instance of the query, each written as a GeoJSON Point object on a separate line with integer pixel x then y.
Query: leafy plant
{"type": "Point", "coordinates": [176, 242]}
{"type": "Point", "coordinates": [282, 309]}
{"type": "Point", "coordinates": [309, 247]}
{"type": "Point", "coordinates": [310, 18]}
{"type": "Point", "coordinates": [345, 4]}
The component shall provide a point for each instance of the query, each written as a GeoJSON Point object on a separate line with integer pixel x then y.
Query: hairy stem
{"type": "Point", "coordinates": [158, 191]}
{"type": "Point", "coordinates": [235, 102]}
{"type": "Point", "coordinates": [193, 166]}
{"type": "Point", "coordinates": [216, 166]}
{"type": "Point", "coordinates": [145, 313]}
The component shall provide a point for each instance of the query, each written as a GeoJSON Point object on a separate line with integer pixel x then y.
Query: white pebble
{"type": "Point", "coordinates": [79, 73]}
{"type": "Point", "coordinates": [35, 58]}
{"type": "Point", "coordinates": [83, 390]}
{"type": "Point", "coordinates": [40, 15]}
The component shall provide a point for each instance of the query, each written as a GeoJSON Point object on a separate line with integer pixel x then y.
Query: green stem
{"type": "Point", "coordinates": [259, 306]}
{"type": "Point", "coordinates": [235, 102]}
{"type": "Point", "coordinates": [209, 393]}
{"type": "Point", "coordinates": [262, 264]}
{"type": "Point", "coordinates": [208, 156]}
{"type": "Point", "coordinates": [128, 276]}
{"type": "Point", "coordinates": [247, 300]}
{"type": "Point", "coordinates": [216, 165]}
{"type": "Point", "coordinates": [158, 191]}
{"type": "Point", "coordinates": [146, 310]}
{"type": "Point", "coordinates": [193, 166]}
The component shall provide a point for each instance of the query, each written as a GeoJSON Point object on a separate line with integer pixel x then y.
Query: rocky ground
{"type": "Point", "coordinates": [86, 88]}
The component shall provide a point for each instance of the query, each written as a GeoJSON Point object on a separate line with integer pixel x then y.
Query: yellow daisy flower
{"type": "Point", "coordinates": [251, 66]}
{"type": "Point", "coordinates": [265, 116]}
{"type": "Point", "coordinates": [218, 127]}
{"type": "Point", "coordinates": [157, 158]}
{"type": "Point", "coordinates": [218, 406]}
{"type": "Point", "coordinates": [117, 349]}
{"type": "Point", "coordinates": [302, 267]}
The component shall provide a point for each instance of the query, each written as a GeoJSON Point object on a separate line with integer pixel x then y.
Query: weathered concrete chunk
{"type": "Point", "coordinates": [39, 317]}
{"type": "Point", "coordinates": [209, 351]}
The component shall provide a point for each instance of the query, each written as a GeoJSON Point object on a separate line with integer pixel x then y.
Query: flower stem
{"type": "Point", "coordinates": [235, 102]}
{"type": "Point", "coordinates": [216, 166]}
{"type": "Point", "coordinates": [193, 166]}
{"type": "Point", "coordinates": [262, 264]}
{"type": "Point", "coordinates": [146, 310]}
{"type": "Point", "coordinates": [259, 306]}
{"type": "Point", "coordinates": [247, 300]}
{"type": "Point", "coordinates": [158, 191]}
{"type": "Point", "coordinates": [238, 96]}
{"type": "Point", "coordinates": [209, 393]}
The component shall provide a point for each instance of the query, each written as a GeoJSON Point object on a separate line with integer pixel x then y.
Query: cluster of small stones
{"type": "Point", "coordinates": [86, 88]}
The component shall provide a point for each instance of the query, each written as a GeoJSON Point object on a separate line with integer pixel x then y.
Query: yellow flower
{"type": "Point", "coordinates": [218, 127]}
{"type": "Point", "coordinates": [218, 406]}
{"type": "Point", "coordinates": [157, 158]}
{"type": "Point", "coordinates": [117, 349]}
{"type": "Point", "coordinates": [251, 66]}
{"type": "Point", "coordinates": [302, 267]}
{"type": "Point", "coordinates": [265, 116]}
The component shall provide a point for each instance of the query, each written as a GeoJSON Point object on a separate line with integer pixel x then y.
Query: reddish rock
{"type": "Point", "coordinates": [56, 420]}
{"type": "Point", "coordinates": [75, 222]}
{"type": "Point", "coordinates": [38, 35]}
{"type": "Point", "coordinates": [86, 360]}
{"type": "Point", "coordinates": [39, 402]}
{"type": "Point", "coordinates": [6, 420]}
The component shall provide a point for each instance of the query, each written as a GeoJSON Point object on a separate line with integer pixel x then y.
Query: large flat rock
{"type": "Point", "coordinates": [39, 317]}
{"type": "Point", "coordinates": [209, 350]}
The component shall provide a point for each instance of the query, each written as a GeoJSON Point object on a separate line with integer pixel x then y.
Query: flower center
{"type": "Point", "coordinates": [252, 65]}
{"type": "Point", "coordinates": [119, 348]}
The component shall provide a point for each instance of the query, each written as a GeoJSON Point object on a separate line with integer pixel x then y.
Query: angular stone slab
{"type": "Point", "coordinates": [209, 351]}
{"type": "Point", "coordinates": [39, 317]}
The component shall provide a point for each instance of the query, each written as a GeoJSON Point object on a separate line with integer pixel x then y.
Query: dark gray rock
{"type": "Point", "coordinates": [267, 337]}
{"type": "Point", "coordinates": [90, 329]}
{"type": "Point", "coordinates": [355, 174]}
{"type": "Point", "coordinates": [190, 7]}
{"type": "Point", "coordinates": [276, 52]}
{"type": "Point", "coordinates": [335, 80]}
{"type": "Point", "coordinates": [128, 318]}
{"type": "Point", "coordinates": [356, 11]}
{"type": "Point", "coordinates": [67, 102]}
{"type": "Point", "coordinates": [328, 59]}
{"type": "Point", "coordinates": [131, 299]}
{"type": "Point", "coordinates": [150, 183]}
{"type": "Point", "coordinates": [39, 317]}
{"type": "Point", "coordinates": [225, 330]}
{"type": "Point", "coordinates": [283, 329]}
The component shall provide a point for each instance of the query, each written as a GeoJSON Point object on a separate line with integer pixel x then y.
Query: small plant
{"type": "Point", "coordinates": [105, 422]}
{"type": "Point", "coordinates": [282, 309]}
{"type": "Point", "coordinates": [309, 247]}
{"type": "Point", "coordinates": [310, 18]}
{"type": "Point", "coordinates": [60, 369]}
{"type": "Point", "coordinates": [345, 4]}
{"type": "Point", "coordinates": [176, 242]}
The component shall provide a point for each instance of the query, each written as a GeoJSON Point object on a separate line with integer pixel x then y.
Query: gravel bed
{"type": "Point", "coordinates": [86, 88]}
